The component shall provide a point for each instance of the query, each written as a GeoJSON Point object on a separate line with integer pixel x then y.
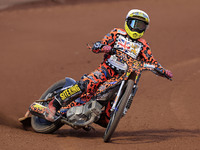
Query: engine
{"type": "Point", "coordinates": [81, 114]}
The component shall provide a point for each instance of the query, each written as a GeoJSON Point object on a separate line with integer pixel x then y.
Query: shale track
{"type": "Point", "coordinates": [42, 43]}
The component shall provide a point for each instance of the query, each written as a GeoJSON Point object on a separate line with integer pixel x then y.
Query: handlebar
{"type": "Point", "coordinates": [156, 69]}
{"type": "Point", "coordinates": [149, 66]}
{"type": "Point", "coordinates": [146, 65]}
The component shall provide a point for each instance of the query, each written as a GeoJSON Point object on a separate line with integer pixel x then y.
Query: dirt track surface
{"type": "Point", "coordinates": [41, 45]}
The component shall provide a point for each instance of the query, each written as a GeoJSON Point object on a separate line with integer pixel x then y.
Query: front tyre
{"type": "Point", "coordinates": [118, 112]}
{"type": "Point", "coordinates": [41, 125]}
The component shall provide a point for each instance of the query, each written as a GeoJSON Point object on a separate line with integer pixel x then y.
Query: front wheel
{"type": "Point", "coordinates": [41, 125]}
{"type": "Point", "coordinates": [118, 112]}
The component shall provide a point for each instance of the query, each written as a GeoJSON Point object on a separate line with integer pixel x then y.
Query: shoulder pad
{"type": "Point", "coordinates": [143, 41]}
{"type": "Point", "coordinates": [120, 31]}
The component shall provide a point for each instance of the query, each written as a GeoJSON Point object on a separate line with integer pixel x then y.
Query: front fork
{"type": "Point", "coordinates": [117, 97]}
{"type": "Point", "coordinates": [134, 90]}
{"type": "Point", "coordinates": [130, 99]}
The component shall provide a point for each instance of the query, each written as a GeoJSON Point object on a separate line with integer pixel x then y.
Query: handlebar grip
{"type": "Point", "coordinates": [160, 72]}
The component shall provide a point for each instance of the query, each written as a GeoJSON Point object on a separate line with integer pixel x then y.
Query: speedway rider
{"type": "Point", "coordinates": [130, 39]}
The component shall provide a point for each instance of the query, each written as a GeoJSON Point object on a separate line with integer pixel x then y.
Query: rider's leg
{"type": "Point", "coordinates": [84, 98]}
{"type": "Point", "coordinates": [88, 84]}
{"type": "Point", "coordinates": [67, 96]}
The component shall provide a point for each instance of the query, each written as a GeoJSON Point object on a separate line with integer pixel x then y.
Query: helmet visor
{"type": "Point", "coordinates": [136, 25]}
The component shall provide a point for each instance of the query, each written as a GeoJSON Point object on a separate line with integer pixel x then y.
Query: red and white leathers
{"type": "Point", "coordinates": [109, 70]}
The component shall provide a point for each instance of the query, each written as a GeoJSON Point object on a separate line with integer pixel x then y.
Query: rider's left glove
{"type": "Point", "coordinates": [169, 73]}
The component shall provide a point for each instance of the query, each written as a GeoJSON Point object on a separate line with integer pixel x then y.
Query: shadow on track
{"type": "Point", "coordinates": [152, 136]}
{"type": "Point", "coordinates": [132, 137]}
{"type": "Point", "coordinates": [80, 133]}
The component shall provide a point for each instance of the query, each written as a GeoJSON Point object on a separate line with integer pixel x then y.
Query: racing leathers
{"type": "Point", "coordinates": [92, 85]}
{"type": "Point", "coordinates": [106, 77]}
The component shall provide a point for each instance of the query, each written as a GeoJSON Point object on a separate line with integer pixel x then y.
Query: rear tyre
{"type": "Point", "coordinates": [41, 125]}
{"type": "Point", "coordinates": [118, 112]}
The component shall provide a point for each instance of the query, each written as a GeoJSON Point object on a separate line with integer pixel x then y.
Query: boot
{"type": "Point", "coordinates": [46, 112]}
{"type": "Point", "coordinates": [66, 96]}
{"type": "Point", "coordinates": [53, 107]}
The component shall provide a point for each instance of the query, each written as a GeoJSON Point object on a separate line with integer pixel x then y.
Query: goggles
{"type": "Point", "coordinates": [136, 25]}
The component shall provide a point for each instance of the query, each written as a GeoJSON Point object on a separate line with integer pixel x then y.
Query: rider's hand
{"type": "Point", "coordinates": [97, 45]}
{"type": "Point", "coordinates": [106, 49]}
{"type": "Point", "coordinates": [169, 73]}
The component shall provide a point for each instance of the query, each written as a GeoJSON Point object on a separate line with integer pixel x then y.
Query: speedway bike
{"type": "Point", "coordinates": [82, 117]}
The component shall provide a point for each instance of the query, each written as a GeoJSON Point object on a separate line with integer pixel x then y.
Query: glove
{"type": "Point", "coordinates": [169, 73]}
{"type": "Point", "coordinates": [106, 49]}
{"type": "Point", "coordinates": [97, 45]}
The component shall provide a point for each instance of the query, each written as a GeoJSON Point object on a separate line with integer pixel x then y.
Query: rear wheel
{"type": "Point", "coordinates": [118, 112]}
{"type": "Point", "coordinates": [41, 125]}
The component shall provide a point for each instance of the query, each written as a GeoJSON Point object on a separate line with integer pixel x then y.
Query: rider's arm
{"type": "Point", "coordinates": [146, 55]}
{"type": "Point", "coordinates": [109, 39]}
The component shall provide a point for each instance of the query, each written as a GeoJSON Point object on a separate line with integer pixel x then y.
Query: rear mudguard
{"type": "Point", "coordinates": [69, 82]}
{"type": "Point", "coordinates": [26, 120]}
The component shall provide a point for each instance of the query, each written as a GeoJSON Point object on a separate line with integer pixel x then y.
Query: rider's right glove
{"type": "Point", "coordinates": [98, 47]}
{"type": "Point", "coordinates": [108, 49]}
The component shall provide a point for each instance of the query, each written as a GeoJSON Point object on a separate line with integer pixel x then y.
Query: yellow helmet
{"type": "Point", "coordinates": [136, 23]}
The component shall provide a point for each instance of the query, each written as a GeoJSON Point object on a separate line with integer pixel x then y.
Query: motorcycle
{"type": "Point", "coordinates": [81, 117]}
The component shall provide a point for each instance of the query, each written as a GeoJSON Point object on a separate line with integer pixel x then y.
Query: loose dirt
{"type": "Point", "coordinates": [42, 44]}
